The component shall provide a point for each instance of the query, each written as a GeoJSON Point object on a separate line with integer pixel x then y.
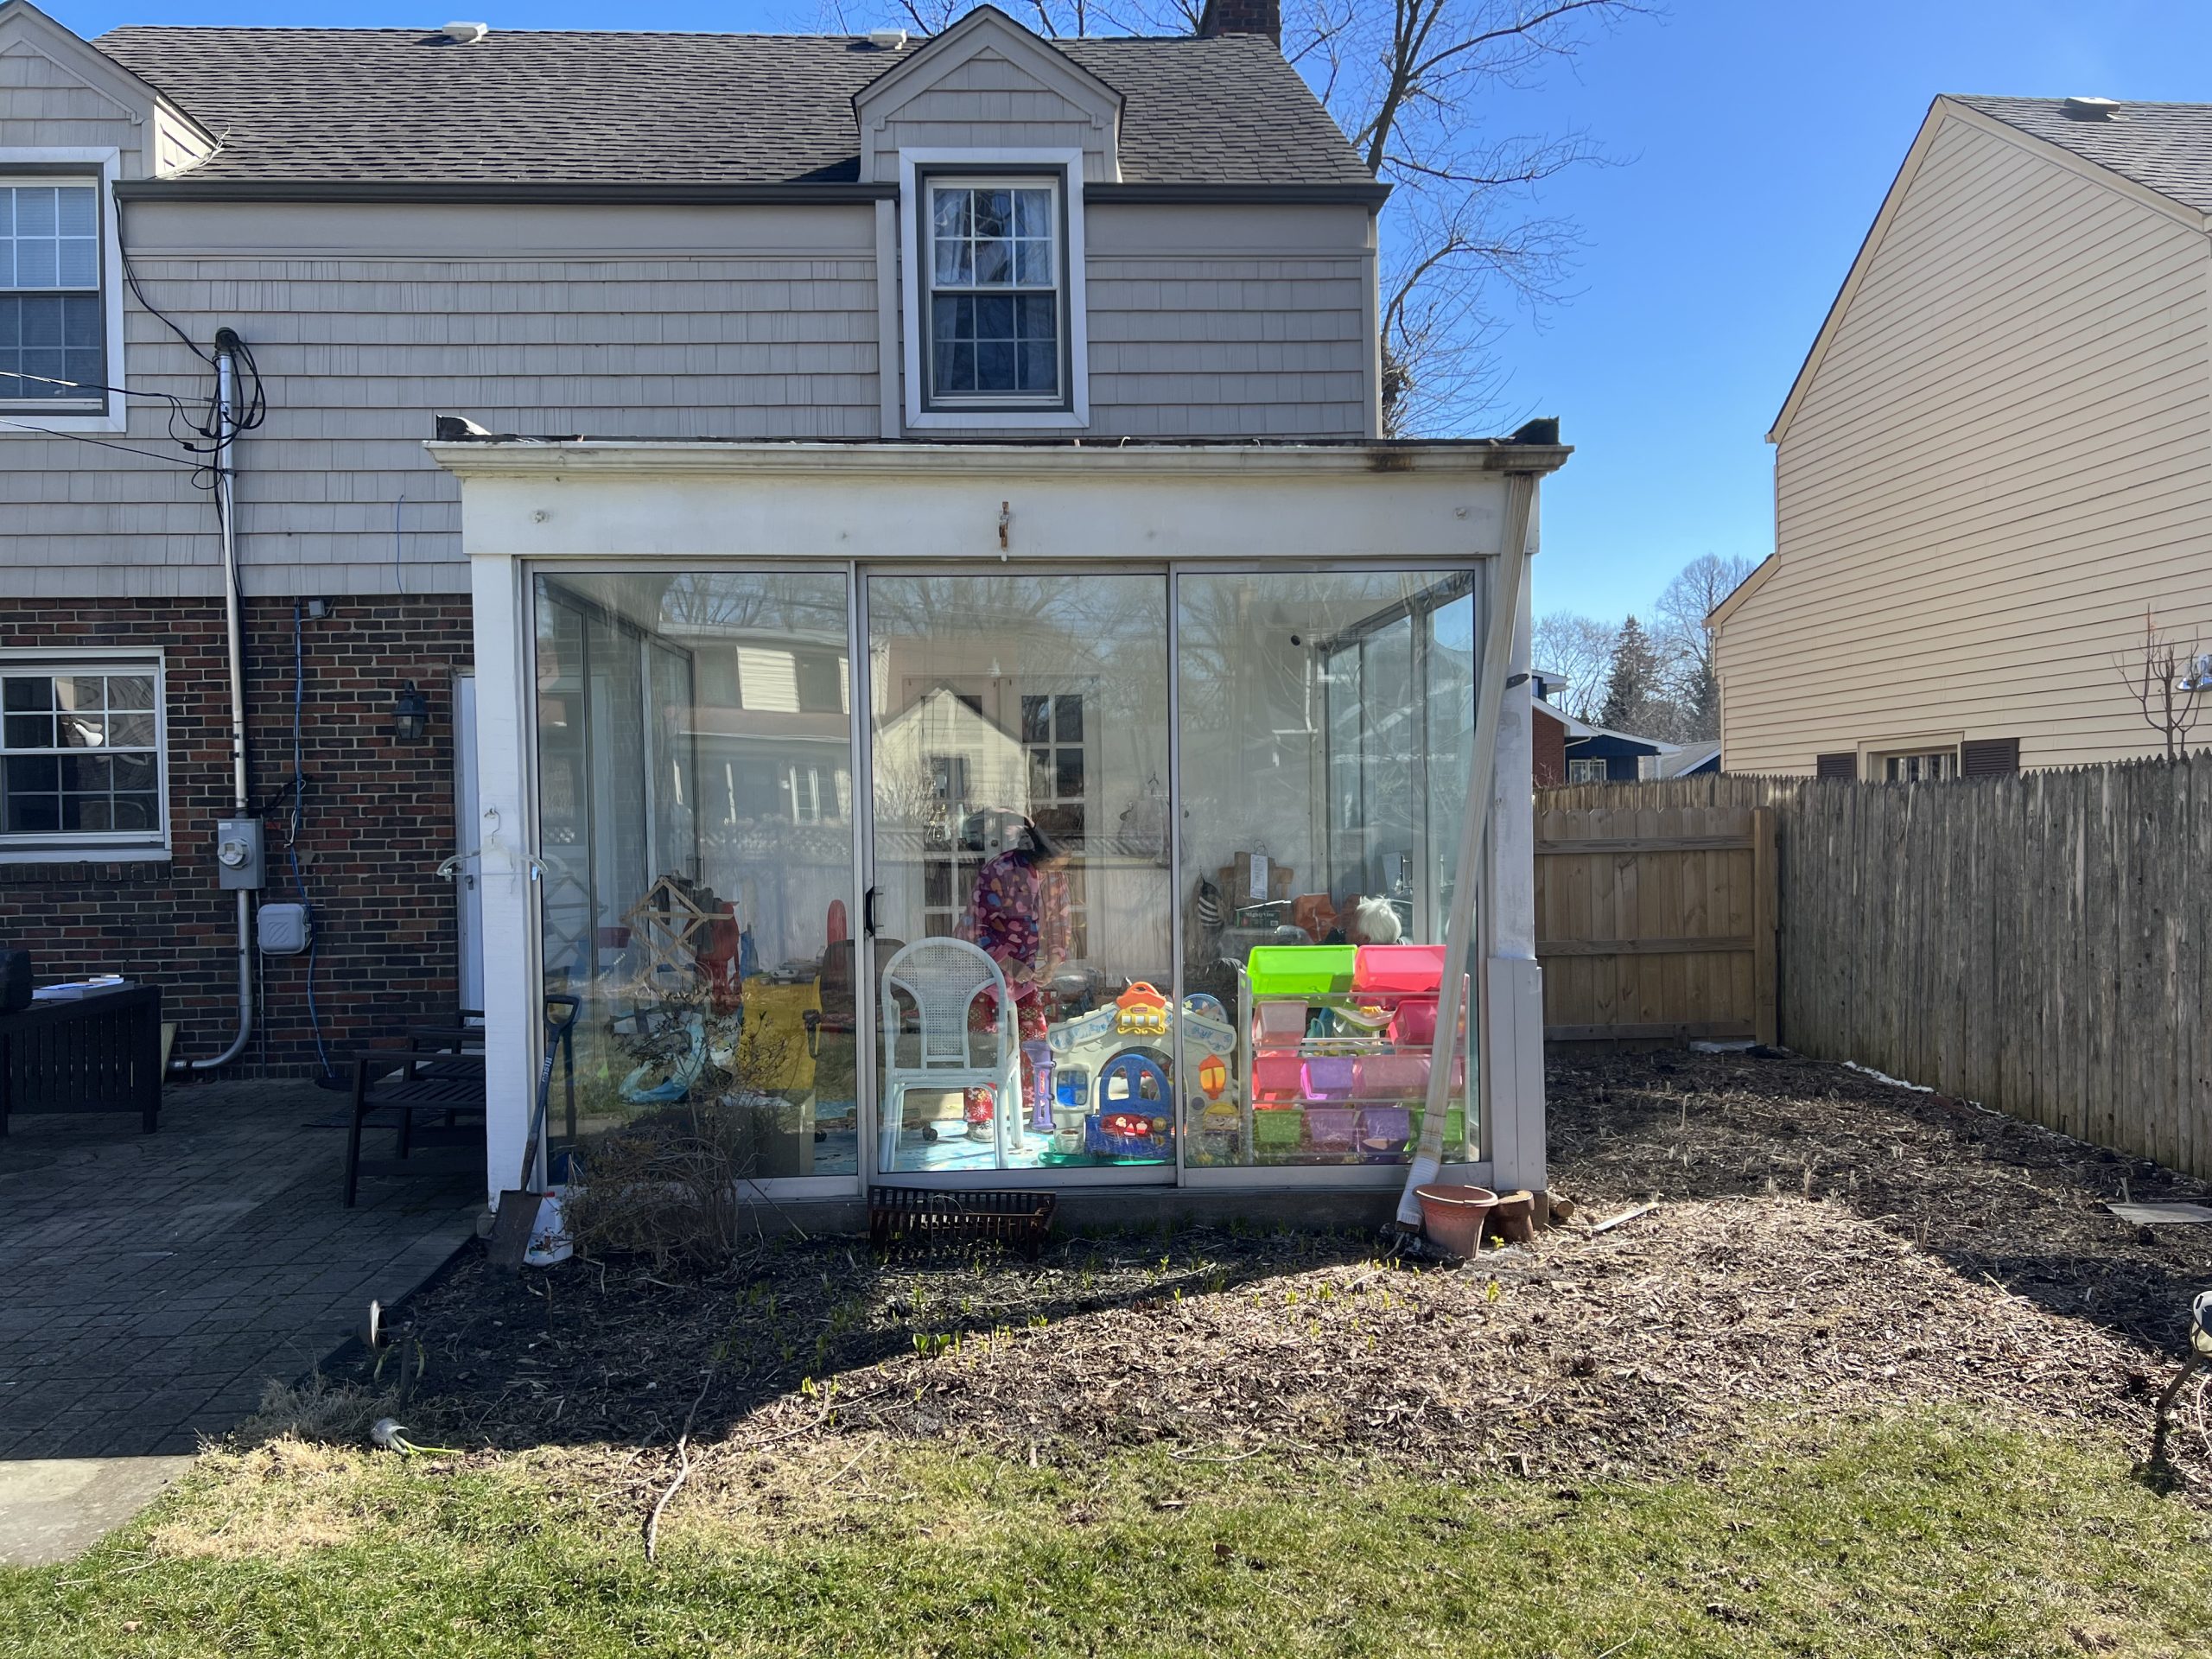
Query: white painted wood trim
{"type": "Point", "coordinates": [890, 356]}
{"type": "Point", "coordinates": [507, 834]}
{"type": "Point", "coordinates": [20, 423]}
{"type": "Point", "coordinates": [1077, 415]}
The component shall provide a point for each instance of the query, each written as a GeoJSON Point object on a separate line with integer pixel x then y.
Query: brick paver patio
{"type": "Point", "coordinates": [151, 1285]}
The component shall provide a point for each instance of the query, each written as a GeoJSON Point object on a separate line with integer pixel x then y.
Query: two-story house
{"type": "Point", "coordinates": [682, 520]}
{"type": "Point", "coordinates": [1990, 468]}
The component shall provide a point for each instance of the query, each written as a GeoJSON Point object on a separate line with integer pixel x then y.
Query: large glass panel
{"type": "Point", "coordinates": [1021, 867]}
{"type": "Point", "coordinates": [695, 804]}
{"type": "Point", "coordinates": [1327, 726]}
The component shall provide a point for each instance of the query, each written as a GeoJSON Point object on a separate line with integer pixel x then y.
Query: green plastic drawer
{"type": "Point", "coordinates": [1285, 970]}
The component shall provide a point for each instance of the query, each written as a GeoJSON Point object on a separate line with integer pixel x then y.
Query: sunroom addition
{"type": "Point", "coordinates": [1005, 814]}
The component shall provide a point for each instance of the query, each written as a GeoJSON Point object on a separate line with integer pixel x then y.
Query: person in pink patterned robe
{"type": "Point", "coordinates": [1020, 914]}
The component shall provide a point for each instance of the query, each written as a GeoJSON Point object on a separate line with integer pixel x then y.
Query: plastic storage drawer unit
{"type": "Point", "coordinates": [1288, 970]}
{"type": "Point", "coordinates": [1398, 969]}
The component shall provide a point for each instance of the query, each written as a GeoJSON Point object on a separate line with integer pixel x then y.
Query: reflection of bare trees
{"type": "Point", "coordinates": [1087, 623]}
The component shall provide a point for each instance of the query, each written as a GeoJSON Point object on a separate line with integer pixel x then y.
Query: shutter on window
{"type": "Point", "coordinates": [1989, 757]}
{"type": "Point", "coordinates": [1836, 765]}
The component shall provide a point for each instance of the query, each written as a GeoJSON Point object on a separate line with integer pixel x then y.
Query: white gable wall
{"type": "Point", "coordinates": [1999, 462]}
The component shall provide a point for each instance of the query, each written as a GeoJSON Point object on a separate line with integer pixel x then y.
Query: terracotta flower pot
{"type": "Point", "coordinates": [1452, 1217]}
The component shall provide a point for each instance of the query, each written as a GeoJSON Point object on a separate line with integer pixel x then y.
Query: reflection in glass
{"type": "Point", "coordinates": [1327, 724]}
{"type": "Point", "coordinates": [695, 803]}
{"type": "Point", "coordinates": [1020, 742]}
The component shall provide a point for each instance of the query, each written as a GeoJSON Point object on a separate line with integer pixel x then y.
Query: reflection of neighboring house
{"type": "Point", "coordinates": [771, 726]}
{"type": "Point", "coordinates": [939, 759]}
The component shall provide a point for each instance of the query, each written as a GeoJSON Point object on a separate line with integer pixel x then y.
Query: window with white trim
{"type": "Point", "coordinates": [81, 755]}
{"type": "Point", "coordinates": [1922, 767]}
{"type": "Point", "coordinates": [53, 312]}
{"type": "Point", "coordinates": [995, 331]}
{"type": "Point", "coordinates": [1586, 772]}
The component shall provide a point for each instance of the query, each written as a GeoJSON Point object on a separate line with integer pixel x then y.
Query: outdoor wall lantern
{"type": "Point", "coordinates": [410, 715]}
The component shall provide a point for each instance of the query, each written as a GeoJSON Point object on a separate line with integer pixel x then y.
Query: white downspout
{"type": "Point", "coordinates": [226, 432]}
{"type": "Point", "coordinates": [1495, 667]}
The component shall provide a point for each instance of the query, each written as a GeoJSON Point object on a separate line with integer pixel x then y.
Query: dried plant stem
{"type": "Point", "coordinates": [683, 1466]}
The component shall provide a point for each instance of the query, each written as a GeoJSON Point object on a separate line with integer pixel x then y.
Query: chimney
{"type": "Point", "coordinates": [1242, 17]}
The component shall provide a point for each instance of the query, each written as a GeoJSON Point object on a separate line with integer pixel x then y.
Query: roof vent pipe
{"type": "Point", "coordinates": [464, 34]}
{"type": "Point", "coordinates": [2092, 108]}
{"type": "Point", "coordinates": [887, 39]}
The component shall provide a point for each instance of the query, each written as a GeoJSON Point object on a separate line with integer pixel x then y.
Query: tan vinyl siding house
{"type": "Point", "coordinates": [1997, 458]}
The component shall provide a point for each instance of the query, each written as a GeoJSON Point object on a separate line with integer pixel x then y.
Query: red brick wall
{"type": "Point", "coordinates": [378, 817]}
{"type": "Point", "coordinates": [1547, 751]}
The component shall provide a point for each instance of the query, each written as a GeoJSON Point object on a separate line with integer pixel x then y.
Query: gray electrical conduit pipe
{"type": "Point", "coordinates": [1496, 668]}
{"type": "Point", "coordinates": [226, 468]}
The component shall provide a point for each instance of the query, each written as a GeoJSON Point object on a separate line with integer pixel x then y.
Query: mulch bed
{"type": "Point", "coordinates": [1825, 1242]}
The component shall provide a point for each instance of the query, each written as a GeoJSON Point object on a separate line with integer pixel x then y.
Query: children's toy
{"type": "Point", "coordinates": [1118, 1063]}
{"type": "Point", "coordinates": [1038, 1055]}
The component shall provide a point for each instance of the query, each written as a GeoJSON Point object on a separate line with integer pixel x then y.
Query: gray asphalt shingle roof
{"type": "Point", "coordinates": [596, 107]}
{"type": "Point", "coordinates": [2163, 147]}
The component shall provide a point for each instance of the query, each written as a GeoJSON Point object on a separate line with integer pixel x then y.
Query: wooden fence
{"type": "Point", "coordinates": [2035, 941]}
{"type": "Point", "coordinates": [1656, 922]}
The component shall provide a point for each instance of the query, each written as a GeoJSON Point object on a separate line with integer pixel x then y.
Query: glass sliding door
{"type": "Point", "coordinates": [696, 810]}
{"type": "Point", "coordinates": [1019, 733]}
{"type": "Point", "coordinates": [1327, 728]}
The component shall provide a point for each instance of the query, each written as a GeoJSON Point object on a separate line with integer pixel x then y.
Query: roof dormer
{"type": "Point", "coordinates": [986, 83]}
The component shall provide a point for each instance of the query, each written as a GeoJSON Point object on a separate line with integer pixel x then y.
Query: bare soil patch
{"type": "Point", "coordinates": [1824, 1244]}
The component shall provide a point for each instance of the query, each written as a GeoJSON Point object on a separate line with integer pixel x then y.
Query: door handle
{"type": "Point", "coordinates": [867, 912]}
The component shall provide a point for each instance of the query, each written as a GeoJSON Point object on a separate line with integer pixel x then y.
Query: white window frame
{"type": "Point", "coordinates": [111, 846]}
{"type": "Point", "coordinates": [1884, 759]}
{"type": "Point", "coordinates": [1876, 754]}
{"type": "Point", "coordinates": [18, 420]}
{"type": "Point", "coordinates": [1067, 164]}
{"type": "Point", "coordinates": [1598, 761]}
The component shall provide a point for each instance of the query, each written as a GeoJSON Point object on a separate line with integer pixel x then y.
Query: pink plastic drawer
{"type": "Point", "coordinates": [1404, 969]}
{"type": "Point", "coordinates": [1282, 1022]}
{"type": "Point", "coordinates": [1399, 1077]}
{"type": "Point", "coordinates": [1277, 1077]}
{"type": "Point", "coordinates": [1329, 1077]}
{"type": "Point", "coordinates": [1332, 1129]}
{"type": "Point", "coordinates": [1415, 1023]}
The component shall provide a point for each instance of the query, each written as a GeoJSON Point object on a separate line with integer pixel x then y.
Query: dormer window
{"type": "Point", "coordinates": [992, 257]}
{"type": "Point", "coordinates": [995, 302]}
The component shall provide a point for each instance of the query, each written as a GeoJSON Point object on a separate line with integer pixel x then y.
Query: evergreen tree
{"type": "Point", "coordinates": [1633, 683]}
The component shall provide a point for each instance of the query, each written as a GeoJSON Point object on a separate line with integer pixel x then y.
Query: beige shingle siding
{"type": "Point", "coordinates": [362, 353]}
{"type": "Point", "coordinates": [43, 105]}
{"type": "Point", "coordinates": [1228, 321]}
{"type": "Point", "coordinates": [2000, 461]}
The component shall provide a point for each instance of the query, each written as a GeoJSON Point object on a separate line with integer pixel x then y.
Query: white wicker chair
{"type": "Point", "coordinates": [942, 977]}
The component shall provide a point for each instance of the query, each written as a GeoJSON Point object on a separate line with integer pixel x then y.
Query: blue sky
{"type": "Point", "coordinates": [1754, 140]}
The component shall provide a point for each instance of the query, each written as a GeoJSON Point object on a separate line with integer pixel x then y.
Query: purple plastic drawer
{"type": "Point", "coordinates": [1330, 1078]}
{"type": "Point", "coordinates": [1332, 1129]}
{"type": "Point", "coordinates": [1384, 1132]}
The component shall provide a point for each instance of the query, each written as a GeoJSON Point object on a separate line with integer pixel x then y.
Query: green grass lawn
{"type": "Point", "coordinates": [1908, 1536]}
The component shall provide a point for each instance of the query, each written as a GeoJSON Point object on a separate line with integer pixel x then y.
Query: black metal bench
{"type": "Point", "coordinates": [96, 1053]}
